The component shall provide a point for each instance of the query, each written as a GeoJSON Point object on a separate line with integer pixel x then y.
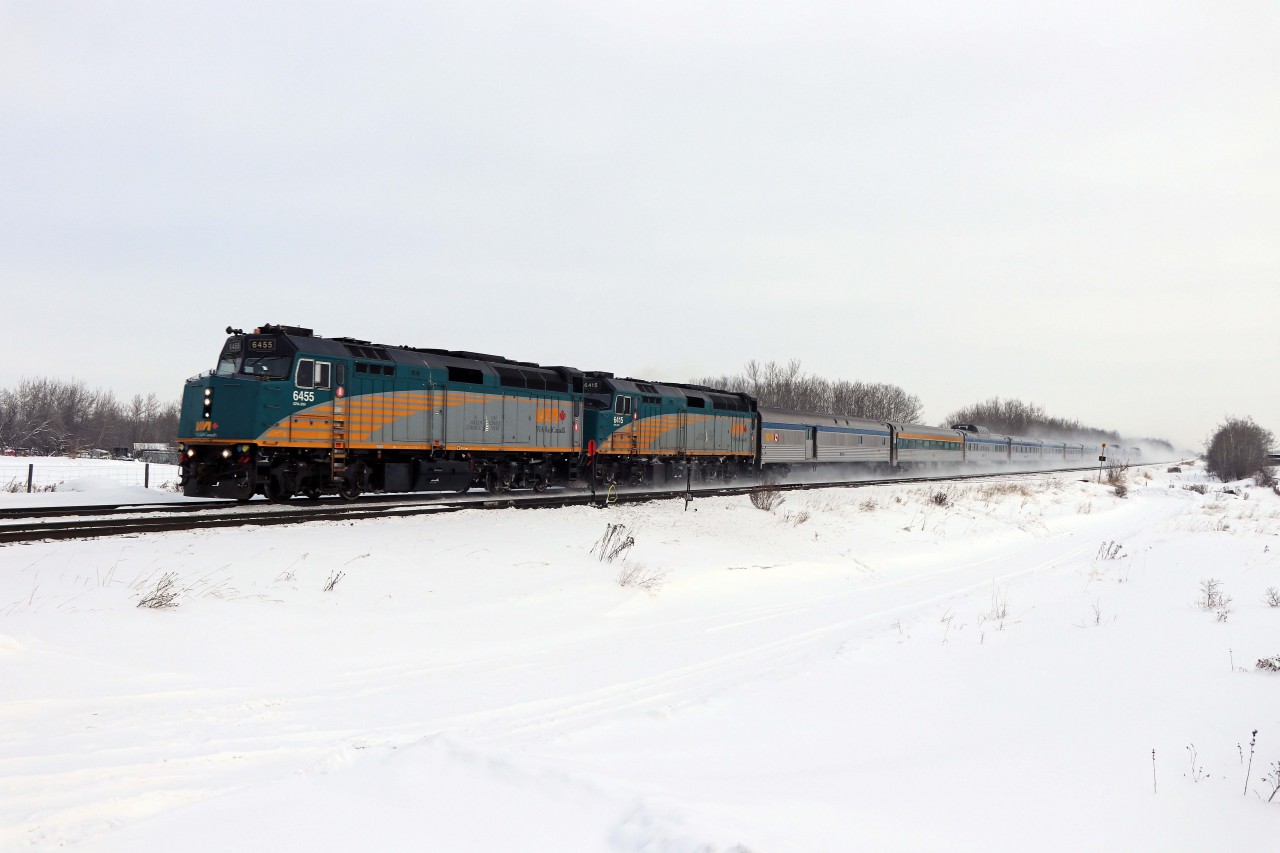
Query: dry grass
{"type": "Point", "coordinates": [16, 486]}
{"type": "Point", "coordinates": [636, 575]}
{"type": "Point", "coordinates": [795, 519]}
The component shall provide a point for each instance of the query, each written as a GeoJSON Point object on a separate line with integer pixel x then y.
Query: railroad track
{"type": "Point", "coordinates": [99, 521]}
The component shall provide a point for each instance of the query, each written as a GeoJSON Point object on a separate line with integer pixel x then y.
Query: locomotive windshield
{"type": "Point", "coordinates": [599, 393]}
{"type": "Point", "coordinates": [260, 356]}
{"type": "Point", "coordinates": [267, 366]}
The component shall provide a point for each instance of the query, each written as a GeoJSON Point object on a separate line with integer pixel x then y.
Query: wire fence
{"type": "Point", "coordinates": [50, 475]}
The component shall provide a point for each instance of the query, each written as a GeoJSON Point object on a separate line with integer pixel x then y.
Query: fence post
{"type": "Point", "coordinates": [146, 475]}
{"type": "Point", "coordinates": [31, 470]}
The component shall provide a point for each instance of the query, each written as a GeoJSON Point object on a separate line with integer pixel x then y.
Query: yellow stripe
{"type": "Point", "coordinates": [743, 454]}
{"type": "Point", "coordinates": [929, 437]}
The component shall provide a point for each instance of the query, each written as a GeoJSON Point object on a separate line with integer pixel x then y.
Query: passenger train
{"type": "Point", "coordinates": [287, 412]}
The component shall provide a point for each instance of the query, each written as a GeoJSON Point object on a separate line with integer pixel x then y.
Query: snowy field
{"type": "Point", "coordinates": [58, 481]}
{"type": "Point", "coordinates": [860, 669]}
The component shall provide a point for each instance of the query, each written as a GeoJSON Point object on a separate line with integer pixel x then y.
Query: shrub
{"type": "Point", "coordinates": [1213, 597]}
{"type": "Point", "coordinates": [162, 594]}
{"type": "Point", "coordinates": [1121, 490]}
{"type": "Point", "coordinates": [615, 542]}
{"type": "Point", "coordinates": [767, 499]}
{"type": "Point", "coordinates": [1174, 470]}
{"type": "Point", "coordinates": [1266, 477]}
{"type": "Point", "coordinates": [1238, 449]}
{"type": "Point", "coordinates": [1109, 550]}
{"type": "Point", "coordinates": [941, 498]}
{"type": "Point", "coordinates": [1271, 664]}
{"type": "Point", "coordinates": [1198, 488]}
{"type": "Point", "coordinates": [1272, 598]}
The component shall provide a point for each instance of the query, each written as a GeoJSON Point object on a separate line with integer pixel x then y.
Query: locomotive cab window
{"type": "Point", "coordinates": [622, 406]}
{"type": "Point", "coordinates": [313, 374]}
{"type": "Point", "coordinates": [228, 364]}
{"type": "Point", "coordinates": [305, 377]}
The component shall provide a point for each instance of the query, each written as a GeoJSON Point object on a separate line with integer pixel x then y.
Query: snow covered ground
{"type": "Point", "coordinates": [861, 669]}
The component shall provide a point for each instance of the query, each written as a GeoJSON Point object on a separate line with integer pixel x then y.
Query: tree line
{"type": "Point", "coordinates": [53, 416]}
{"type": "Point", "coordinates": [1015, 417]}
{"type": "Point", "coordinates": [786, 386]}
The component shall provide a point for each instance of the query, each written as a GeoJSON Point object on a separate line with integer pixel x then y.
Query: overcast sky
{"type": "Point", "coordinates": [1076, 204]}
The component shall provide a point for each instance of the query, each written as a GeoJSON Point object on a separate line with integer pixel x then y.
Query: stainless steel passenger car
{"type": "Point", "coordinates": [1053, 454]}
{"type": "Point", "coordinates": [915, 445]}
{"type": "Point", "coordinates": [985, 448]}
{"type": "Point", "coordinates": [1024, 452]}
{"type": "Point", "coordinates": [789, 437]}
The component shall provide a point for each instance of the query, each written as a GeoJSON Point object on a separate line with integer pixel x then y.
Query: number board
{"type": "Point", "coordinates": [262, 344]}
{"type": "Point", "coordinates": [234, 345]}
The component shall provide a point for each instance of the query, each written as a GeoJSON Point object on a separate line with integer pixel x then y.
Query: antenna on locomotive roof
{"type": "Point", "coordinates": [231, 331]}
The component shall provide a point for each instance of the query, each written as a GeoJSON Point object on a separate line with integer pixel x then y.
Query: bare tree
{"type": "Point", "coordinates": [789, 387]}
{"type": "Point", "coordinates": [875, 400]}
{"type": "Point", "coordinates": [1238, 449]}
{"type": "Point", "coordinates": [50, 416]}
{"type": "Point", "coordinates": [1016, 417]}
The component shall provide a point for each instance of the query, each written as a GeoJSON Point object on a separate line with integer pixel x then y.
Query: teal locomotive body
{"type": "Point", "coordinates": [287, 412]}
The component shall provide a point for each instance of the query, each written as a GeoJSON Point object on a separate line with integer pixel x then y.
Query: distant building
{"type": "Point", "coordinates": [155, 451]}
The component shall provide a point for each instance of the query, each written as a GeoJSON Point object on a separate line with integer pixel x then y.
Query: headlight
{"type": "Point", "coordinates": [191, 452]}
{"type": "Point", "coordinates": [226, 454]}
{"type": "Point", "coordinates": [208, 392]}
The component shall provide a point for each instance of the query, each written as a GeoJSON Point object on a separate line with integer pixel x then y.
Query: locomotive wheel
{"type": "Point", "coordinates": [312, 494]}
{"type": "Point", "coordinates": [348, 490]}
{"type": "Point", "coordinates": [276, 491]}
{"type": "Point", "coordinates": [494, 483]}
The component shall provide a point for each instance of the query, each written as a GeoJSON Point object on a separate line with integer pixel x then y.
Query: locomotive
{"type": "Point", "coordinates": [287, 412]}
